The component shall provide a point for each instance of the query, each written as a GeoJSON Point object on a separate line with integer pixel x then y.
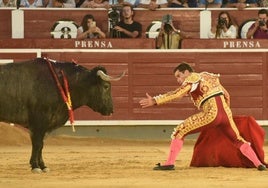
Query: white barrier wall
{"type": "Point", "coordinates": [17, 24]}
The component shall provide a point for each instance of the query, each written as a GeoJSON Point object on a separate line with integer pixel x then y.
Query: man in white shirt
{"type": "Point", "coordinates": [134, 3]}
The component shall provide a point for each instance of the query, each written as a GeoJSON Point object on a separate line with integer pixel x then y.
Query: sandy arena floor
{"type": "Point", "coordinates": [92, 162]}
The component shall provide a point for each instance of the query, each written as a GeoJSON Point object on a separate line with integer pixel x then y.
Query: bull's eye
{"type": "Point", "coordinates": [106, 86]}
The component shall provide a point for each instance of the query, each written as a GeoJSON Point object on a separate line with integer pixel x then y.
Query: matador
{"type": "Point", "coordinates": [213, 101]}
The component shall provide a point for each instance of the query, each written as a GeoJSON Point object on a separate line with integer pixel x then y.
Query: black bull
{"type": "Point", "coordinates": [30, 97]}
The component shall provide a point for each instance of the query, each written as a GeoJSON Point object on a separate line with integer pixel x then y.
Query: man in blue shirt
{"type": "Point", "coordinates": [210, 3]}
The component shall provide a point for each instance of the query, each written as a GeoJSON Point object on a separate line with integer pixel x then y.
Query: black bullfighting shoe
{"type": "Point", "coordinates": [261, 167]}
{"type": "Point", "coordinates": [164, 167]}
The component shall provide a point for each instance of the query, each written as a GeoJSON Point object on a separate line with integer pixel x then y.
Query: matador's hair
{"type": "Point", "coordinates": [183, 67]}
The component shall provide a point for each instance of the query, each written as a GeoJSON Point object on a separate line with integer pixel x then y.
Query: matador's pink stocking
{"type": "Point", "coordinates": [175, 147]}
{"type": "Point", "coordinates": [247, 150]}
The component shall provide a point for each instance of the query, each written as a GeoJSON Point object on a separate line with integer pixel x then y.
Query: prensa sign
{"type": "Point", "coordinates": [244, 44]}
{"type": "Point", "coordinates": [103, 44]}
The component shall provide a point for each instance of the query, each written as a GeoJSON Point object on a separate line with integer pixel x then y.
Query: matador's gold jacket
{"type": "Point", "coordinates": [200, 86]}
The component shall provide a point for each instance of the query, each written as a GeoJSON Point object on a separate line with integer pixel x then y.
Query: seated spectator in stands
{"type": "Point", "coordinates": [153, 4]}
{"type": "Point", "coordinates": [263, 3]}
{"type": "Point", "coordinates": [127, 27]}
{"type": "Point", "coordinates": [115, 2]}
{"type": "Point", "coordinates": [182, 3]}
{"type": "Point", "coordinates": [78, 3]}
{"type": "Point", "coordinates": [88, 29]}
{"type": "Point", "coordinates": [61, 3]}
{"type": "Point", "coordinates": [32, 3]}
{"type": "Point", "coordinates": [259, 29]}
{"type": "Point", "coordinates": [8, 3]}
{"type": "Point", "coordinates": [224, 28]}
{"type": "Point", "coordinates": [192, 3]}
{"type": "Point", "coordinates": [120, 3]}
{"type": "Point", "coordinates": [210, 3]}
{"type": "Point", "coordinates": [177, 4]}
{"type": "Point", "coordinates": [169, 37]}
{"type": "Point", "coordinates": [241, 4]}
{"type": "Point", "coordinates": [95, 4]}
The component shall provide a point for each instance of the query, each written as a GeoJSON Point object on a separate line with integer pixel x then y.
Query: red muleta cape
{"type": "Point", "coordinates": [213, 149]}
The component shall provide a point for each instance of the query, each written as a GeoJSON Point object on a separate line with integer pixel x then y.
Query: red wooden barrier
{"type": "Point", "coordinates": [5, 20]}
{"type": "Point", "coordinates": [79, 44]}
{"type": "Point", "coordinates": [243, 73]}
{"type": "Point", "coordinates": [224, 44]}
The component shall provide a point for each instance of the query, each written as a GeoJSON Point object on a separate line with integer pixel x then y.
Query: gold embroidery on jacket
{"type": "Point", "coordinates": [209, 86]}
{"type": "Point", "coordinates": [193, 78]}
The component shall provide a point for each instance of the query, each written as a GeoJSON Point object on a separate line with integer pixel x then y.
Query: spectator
{"type": "Point", "coordinates": [8, 3]}
{"type": "Point", "coordinates": [210, 3]}
{"type": "Point", "coordinates": [169, 37]}
{"type": "Point", "coordinates": [241, 4]}
{"type": "Point", "coordinates": [95, 4]}
{"type": "Point", "coordinates": [259, 29]}
{"type": "Point", "coordinates": [177, 4]}
{"type": "Point", "coordinates": [31, 3]}
{"type": "Point", "coordinates": [192, 3]}
{"type": "Point", "coordinates": [61, 3]}
{"type": "Point", "coordinates": [78, 3]}
{"type": "Point", "coordinates": [120, 3]}
{"type": "Point", "coordinates": [263, 3]}
{"type": "Point", "coordinates": [127, 27]}
{"type": "Point", "coordinates": [88, 29]}
{"type": "Point", "coordinates": [182, 3]}
{"type": "Point", "coordinates": [115, 2]}
{"type": "Point", "coordinates": [224, 27]}
{"type": "Point", "coordinates": [153, 4]}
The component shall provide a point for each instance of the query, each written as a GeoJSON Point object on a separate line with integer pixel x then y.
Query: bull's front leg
{"type": "Point", "coordinates": [36, 160]}
{"type": "Point", "coordinates": [41, 161]}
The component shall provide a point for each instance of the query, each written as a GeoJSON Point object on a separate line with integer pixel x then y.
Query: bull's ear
{"type": "Point", "coordinates": [110, 78]}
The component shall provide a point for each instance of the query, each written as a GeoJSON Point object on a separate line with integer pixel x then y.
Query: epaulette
{"type": "Point", "coordinates": [193, 78]}
{"type": "Point", "coordinates": [211, 74]}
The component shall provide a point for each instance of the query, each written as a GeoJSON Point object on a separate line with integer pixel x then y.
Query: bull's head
{"type": "Point", "coordinates": [101, 100]}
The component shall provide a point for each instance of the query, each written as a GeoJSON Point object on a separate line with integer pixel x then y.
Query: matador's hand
{"type": "Point", "coordinates": [147, 102]}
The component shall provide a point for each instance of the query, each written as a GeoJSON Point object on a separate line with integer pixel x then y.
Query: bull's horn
{"type": "Point", "coordinates": [109, 78]}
